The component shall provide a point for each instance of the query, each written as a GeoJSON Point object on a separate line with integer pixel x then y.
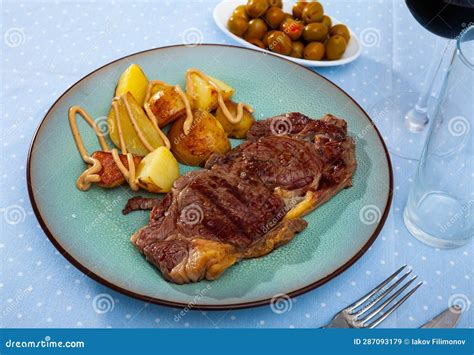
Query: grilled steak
{"type": "Point", "coordinates": [203, 225]}
{"type": "Point", "coordinates": [140, 203]}
{"type": "Point", "coordinates": [338, 154]}
{"type": "Point", "coordinates": [297, 125]}
{"type": "Point", "coordinates": [328, 135]}
{"type": "Point", "coordinates": [291, 165]}
{"type": "Point", "coordinates": [247, 202]}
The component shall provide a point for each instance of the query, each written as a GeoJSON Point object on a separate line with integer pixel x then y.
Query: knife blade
{"type": "Point", "coordinates": [449, 318]}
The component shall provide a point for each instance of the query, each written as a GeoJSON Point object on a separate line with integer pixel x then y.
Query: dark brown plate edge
{"type": "Point", "coordinates": [158, 301]}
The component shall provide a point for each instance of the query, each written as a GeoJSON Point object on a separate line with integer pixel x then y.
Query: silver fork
{"type": "Point", "coordinates": [361, 313]}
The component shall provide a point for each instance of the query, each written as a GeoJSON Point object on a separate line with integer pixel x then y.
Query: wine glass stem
{"type": "Point", "coordinates": [417, 117]}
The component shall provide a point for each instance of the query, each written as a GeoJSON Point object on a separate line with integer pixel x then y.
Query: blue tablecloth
{"type": "Point", "coordinates": [49, 45]}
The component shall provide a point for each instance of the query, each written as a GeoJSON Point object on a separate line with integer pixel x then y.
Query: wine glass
{"type": "Point", "coordinates": [440, 206]}
{"type": "Point", "coordinates": [403, 118]}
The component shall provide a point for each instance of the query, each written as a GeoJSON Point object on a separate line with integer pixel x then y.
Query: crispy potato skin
{"type": "Point", "coordinates": [149, 186]}
{"type": "Point", "coordinates": [235, 130]}
{"type": "Point", "coordinates": [206, 137]}
{"type": "Point", "coordinates": [110, 174]}
{"type": "Point", "coordinates": [205, 94]}
{"type": "Point", "coordinates": [166, 105]}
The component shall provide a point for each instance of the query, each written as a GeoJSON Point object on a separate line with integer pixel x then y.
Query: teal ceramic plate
{"type": "Point", "coordinates": [90, 231]}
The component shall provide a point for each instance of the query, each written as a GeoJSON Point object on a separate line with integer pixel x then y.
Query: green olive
{"type": "Point", "coordinates": [237, 25]}
{"type": "Point", "coordinates": [297, 48]}
{"type": "Point", "coordinates": [240, 11]}
{"type": "Point", "coordinates": [327, 21]}
{"type": "Point", "coordinates": [340, 30]}
{"type": "Point", "coordinates": [335, 47]}
{"type": "Point", "coordinates": [256, 42]}
{"type": "Point", "coordinates": [293, 28]}
{"type": "Point", "coordinates": [274, 16]}
{"type": "Point", "coordinates": [314, 51]}
{"type": "Point", "coordinates": [298, 8]}
{"type": "Point", "coordinates": [315, 31]}
{"type": "Point", "coordinates": [256, 8]}
{"type": "Point", "coordinates": [265, 38]}
{"type": "Point", "coordinates": [313, 12]}
{"type": "Point", "coordinates": [279, 42]}
{"type": "Point", "coordinates": [276, 3]}
{"type": "Point", "coordinates": [288, 16]}
{"type": "Point", "coordinates": [257, 29]}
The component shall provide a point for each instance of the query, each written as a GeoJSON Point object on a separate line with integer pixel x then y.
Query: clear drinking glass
{"type": "Point", "coordinates": [440, 205]}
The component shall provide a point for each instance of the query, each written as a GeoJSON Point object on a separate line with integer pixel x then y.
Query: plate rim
{"type": "Point", "coordinates": [214, 307]}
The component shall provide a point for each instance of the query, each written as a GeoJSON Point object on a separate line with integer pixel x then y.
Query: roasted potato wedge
{"type": "Point", "coordinates": [235, 130]}
{"type": "Point", "coordinates": [133, 80]}
{"type": "Point", "coordinates": [165, 104]}
{"type": "Point", "coordinates": [132, 141]}
{"type": "Point", "coordinates": [205, 95]}
{"type": "Point", "coordinates": [157, 171]}
{"type": "Point", "coordinates": [205, 137]}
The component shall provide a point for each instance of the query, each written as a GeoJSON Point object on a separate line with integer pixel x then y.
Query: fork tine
{"type": "Point", "coordinates": [387, 301]}
{"type": "Point", "coordinates": [375, 290]}
{"type": "Point", "coordinates": [394, 307]}
{"type": "Point", "coordinates": [381, 296]}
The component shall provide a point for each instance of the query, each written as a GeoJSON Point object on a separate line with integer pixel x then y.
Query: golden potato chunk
{"type": "Point", "coordinates": [165, 104]}
{"type": "Point", "coordinates": [206, 136]}
{"type": "Point", "coordinates": [133, 80]}
{"type": "Point", "coordinates": [132, 140]}
{"type": "Point", "coordinates": [205, 95]}
{"type": "Point", "coordinates": [157, 171]}
{"type": "Point", "coordinates": [235, 130]}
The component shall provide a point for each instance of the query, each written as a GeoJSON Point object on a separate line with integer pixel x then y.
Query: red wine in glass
{"type": "Point", "coordinates": [402, 118]}
{"type": "Point", "coordinates": [445, 18]}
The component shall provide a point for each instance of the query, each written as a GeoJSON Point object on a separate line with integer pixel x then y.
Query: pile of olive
{"type": "Point", "coordinates": [306, 33]}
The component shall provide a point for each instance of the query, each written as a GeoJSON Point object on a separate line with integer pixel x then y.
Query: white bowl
{"type": "Point", "coordinates": [224, 9]}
